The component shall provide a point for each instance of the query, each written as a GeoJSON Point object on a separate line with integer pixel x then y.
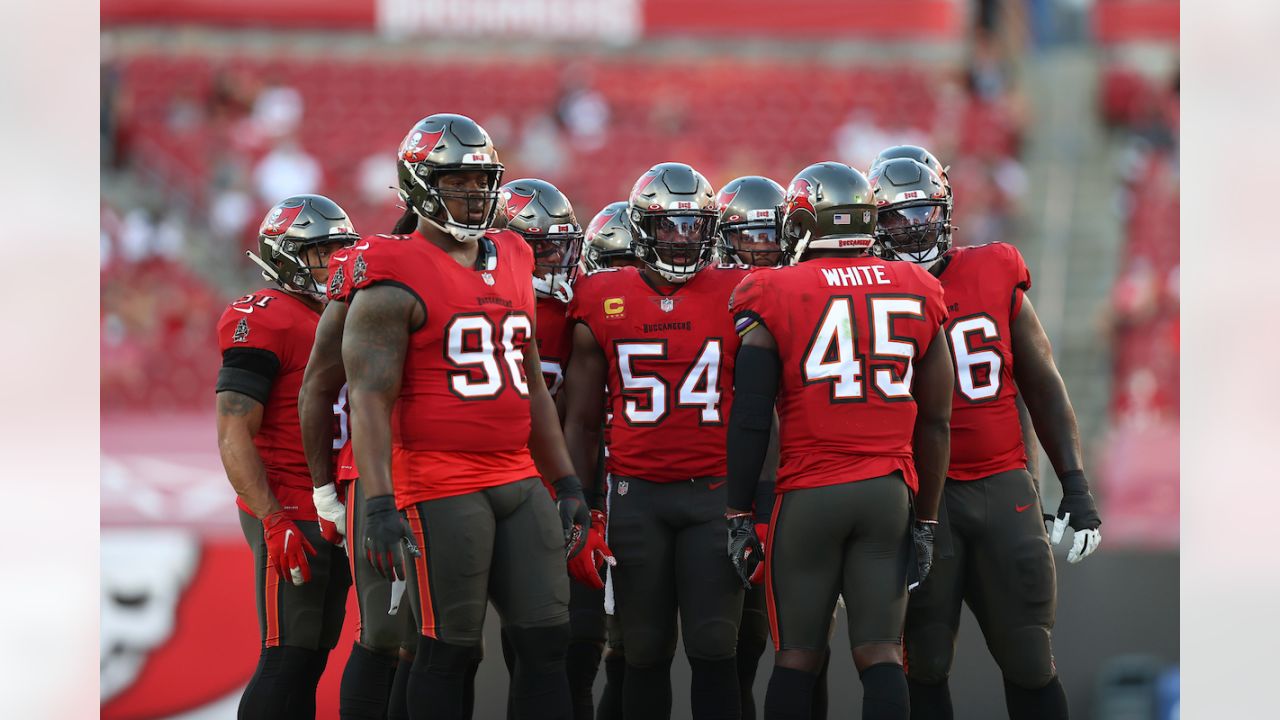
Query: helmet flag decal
{"type": "Point", "coordinates": [418, 144]}
{"type": "Point", "coordinates": [279, 220]}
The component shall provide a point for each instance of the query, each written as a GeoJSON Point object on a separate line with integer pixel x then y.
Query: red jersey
{"type": "Point", "coordinates": [277, 322]}
{"type": "Point", "coordinates": [344, 462]}
{"type": "Point", "coordinates": [670, 358]}
{"type": "Point", "coordinates": [555, 342]}
{"type": "Point", "coordinates": [848, 332]}
{"type": "Point", "coordinates": [984, 286]}
{"type": "Point", "coordinates": [464, 398]}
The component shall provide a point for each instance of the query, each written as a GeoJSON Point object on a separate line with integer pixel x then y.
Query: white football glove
{"type": "Point", "coordinates": [1084, 543]}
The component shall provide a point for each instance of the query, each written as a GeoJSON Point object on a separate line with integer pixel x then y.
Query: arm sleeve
{"type": "Point", "coordinates": [248, 371]}
{"type": "Point", "coordinates": [755, 381]}
{"type": "Point", "coordinates": [255, 342]}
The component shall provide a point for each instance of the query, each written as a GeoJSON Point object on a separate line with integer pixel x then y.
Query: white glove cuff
{"type": "Point", "coordinates": [327, 504]}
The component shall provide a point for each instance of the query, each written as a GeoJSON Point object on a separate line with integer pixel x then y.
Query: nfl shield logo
{"type": "Point", "coordinates": [488, 279]}
{"type": "Point", "coordinates": [623, 487]}
{"type": "Point", "coordinates": [667, 304]}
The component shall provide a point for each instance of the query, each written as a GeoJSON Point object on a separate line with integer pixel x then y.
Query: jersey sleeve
{"type": "Point", "coordinates": [747, 302]}
{"type": "Point", "coordinates": [250, 325]}
{"type": "Point", "coordinates": [520, 251]}
{"type": "Point", "coordinates": [253, 349]}
{"type": "Point", "coordinates": [374, 263]}
{"type": "Point", "coordinates": [339, 276]}
{"type": "Point", "coordinates": [586, 296]}
{"type": "Point", "coordinates": [1019, 275]}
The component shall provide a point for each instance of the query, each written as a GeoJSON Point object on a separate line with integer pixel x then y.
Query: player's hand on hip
{"type": "Point", "coordinates": [575, 516]}
{"type": "Point", "coordinates": [1079, 512]}
{"type": "Point", "coordinates": [746, 552]}
{"type": "Point", "coordinates": [287, 548]}
{"type": "Point", "coordinates": [332, 513]}
{"type": "Point", "coordinates": [922, 532]}
{"type": "Point", "coordinates": [585, 566]}
{"type": "Point", "coordinates": [387, 538]}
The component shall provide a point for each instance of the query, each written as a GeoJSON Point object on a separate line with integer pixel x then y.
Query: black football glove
{"type": "Point", "coordinates": [922, 537]}
{"type": "Point", "coordinates": [575, 516]}
{"type": "Point", "coordinates": [1078, 511]}
{"type": "Point", "coordinates": [746, 552]}
{"type": "Point", "coordinates": [386, 534]}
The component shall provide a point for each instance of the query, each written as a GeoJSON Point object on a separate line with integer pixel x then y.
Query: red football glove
{"type": "Point", "coordinates": [585, 566]}
{"type": "Point", "coordinates": [330, 533]}
{"type": "Point", "coordinates": [762, 532]}
{"type": "Point", "coordinates": [287, 548]}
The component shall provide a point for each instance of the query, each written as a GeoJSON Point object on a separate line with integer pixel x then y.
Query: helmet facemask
{"type": "Point", "coordinates": [556, 259]}
{"type": "Point", "coordinates": [430, 201]}
{"type": "Point", "coordinates": [676, 245]}
{"type": "Point", "coordinates": [753, 244]}
{"type": "Point", "coordinates": [289, 267]}
{"type": "Point", "coordinates": [919, 233]}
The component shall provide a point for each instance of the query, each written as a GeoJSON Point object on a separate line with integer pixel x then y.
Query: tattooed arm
{"type": "Point", "coordinates": [374, 344]}
{"type": "Point", "coordinates": [239, 418]}
{"type": "Point", "coordinates": [321, 384]}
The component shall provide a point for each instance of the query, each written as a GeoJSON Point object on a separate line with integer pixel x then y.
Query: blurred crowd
{"type": "Point", "coordinates": [1145, 299]}
{"type": "Point", "coordinates": [217, 141]}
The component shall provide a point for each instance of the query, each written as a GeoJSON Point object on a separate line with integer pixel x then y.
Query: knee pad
{"type": "Point", "coordinates": [540, 650]}
{"type": "Point", "coordinates": [928, 652]}
{"type": "Point", "coordinates": [712, 639]}
{"type": "Point", "coordinates": [1025, 657]}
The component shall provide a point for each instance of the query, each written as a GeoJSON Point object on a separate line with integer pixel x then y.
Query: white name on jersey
{"type": "Point", "coordinates": [859, 275]}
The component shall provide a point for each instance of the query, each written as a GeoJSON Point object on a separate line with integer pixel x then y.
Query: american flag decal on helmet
{"type": "Point", "coordinates": [841, 219]}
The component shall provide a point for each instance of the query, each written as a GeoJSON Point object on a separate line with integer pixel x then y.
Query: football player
{"type": "Point", "coordinates": [301, 578]}
{"type": "Point", "coordinates": [541, 214]}
{"type": "Point", "coordinates": [608, 244]}
{"type": "Point", "coordinates": [920, 155]}
{"type": "Point", "coordinates": [375, 679]}
{"type": "Point", "coordinates": [447, 396]}
{"type": "Point", "coordinates": [749, 222]}
{"type": "Point", "coordinates": [750, 233]}
{"type": "Point", "coordinates": [660, 339]}
{"type": "Point", "coordinates": [999, 559]}
{"type": "Point", "coordinates": [850, 348]}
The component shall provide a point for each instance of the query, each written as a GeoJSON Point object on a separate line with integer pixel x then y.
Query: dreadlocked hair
{"type": "Point", "coordinates": [407, 223]}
